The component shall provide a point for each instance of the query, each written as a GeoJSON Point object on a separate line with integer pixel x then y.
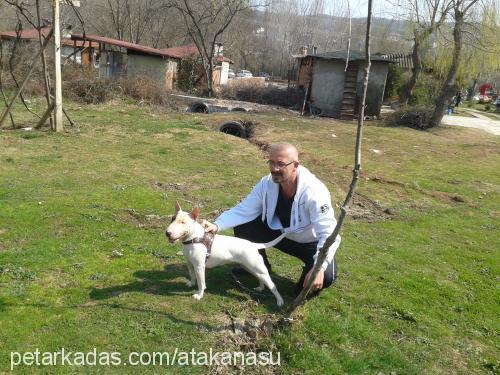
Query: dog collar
{"type": "Point", "coordinates": [206, 240]}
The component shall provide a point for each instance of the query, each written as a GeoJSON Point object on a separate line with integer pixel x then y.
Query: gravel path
{"type": "Point", "coordinates": [479, 122]}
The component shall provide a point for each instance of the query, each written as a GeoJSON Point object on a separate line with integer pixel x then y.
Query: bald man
{"type": "Point", "coordinates": [292, 200]}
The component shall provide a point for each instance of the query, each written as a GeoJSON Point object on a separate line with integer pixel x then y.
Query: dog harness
{"type": "Point", "coordinates": [206, 240]}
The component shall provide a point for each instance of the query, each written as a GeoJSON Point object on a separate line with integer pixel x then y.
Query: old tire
{"type": "Point", "coordinates": [199, 107]}
{"type": "Point", "coordinates": [233, 128]}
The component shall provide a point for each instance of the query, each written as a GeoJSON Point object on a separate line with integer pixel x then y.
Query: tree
{"type": "Point", "coordinates": [205, 22]}
{"type": "Point", "coordinates": [427, 16]}
{"type": "Point", "coordinates": [461, 10]}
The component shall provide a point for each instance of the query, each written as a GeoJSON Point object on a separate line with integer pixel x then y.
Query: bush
{"type": "Point", "coordinates": [394, 81]}
{"type": "Point", "coordinates": [487, 107]}
{"type": "Point", "coordinates": [411, 117]}
{"type": "Point", "coordinates": [425, 91]}
{"type": "Point", "coordinates": [272, 95]}
{"type": "Point", "coordinates": [143, 89]}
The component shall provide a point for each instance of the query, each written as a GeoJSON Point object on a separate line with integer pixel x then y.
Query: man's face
{"type": "Point", "coordinates": [281, 166]}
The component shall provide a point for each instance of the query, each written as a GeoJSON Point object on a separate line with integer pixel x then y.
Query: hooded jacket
{"type": "Point", "coordinates": [312, 218]}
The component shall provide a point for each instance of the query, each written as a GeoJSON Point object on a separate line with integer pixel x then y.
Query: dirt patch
{"type": "Point", "coordinates": [143, 221]}
{"type": "Point", "coordinates": [245, 335]}
{"type": "Point", "coordinates": [449, 197]}
{"type": "Point", "coordinates": [168, 186]}
{"type": "Point", "coordinates": [363, 208]}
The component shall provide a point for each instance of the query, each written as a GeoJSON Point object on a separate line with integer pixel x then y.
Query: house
{"type": "Point", "coordinates": [189, 53]}
{"type": "Point", "coordinates": [118, 58]}
{"type": "Point", "coordinates": [81, 52]}
{"type": "Point", "coordinates": [334, 81]}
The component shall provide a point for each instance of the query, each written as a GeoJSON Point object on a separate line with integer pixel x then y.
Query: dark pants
{"type": "Point", "coordinates": [258, 231]}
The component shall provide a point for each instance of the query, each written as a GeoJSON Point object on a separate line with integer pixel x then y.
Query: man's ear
{"type": "Point", "coordinates": [177, 207]}
{"type": "Point", "coordinates": [194, 213]}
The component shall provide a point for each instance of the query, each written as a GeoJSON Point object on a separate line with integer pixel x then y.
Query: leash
{"type": "Point", "coordinates": [206, 240]}
{"type": "Point", "coordinates": [243, 287]}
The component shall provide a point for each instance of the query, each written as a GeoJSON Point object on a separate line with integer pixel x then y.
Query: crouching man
{"type": "Point", "coordinates": [292, 200]}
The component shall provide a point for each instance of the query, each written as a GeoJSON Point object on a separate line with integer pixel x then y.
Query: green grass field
{"type": "Point", "coordinates": [84, 262]}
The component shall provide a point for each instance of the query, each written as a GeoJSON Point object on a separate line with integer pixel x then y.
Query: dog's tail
{"type": "Point", "coordinates": [273, 242]}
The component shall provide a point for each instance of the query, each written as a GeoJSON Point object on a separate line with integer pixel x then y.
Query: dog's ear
{"type": "Point", "coordinates": [194, 213]}
{"type": "Point", "coordinates": [177, 207]}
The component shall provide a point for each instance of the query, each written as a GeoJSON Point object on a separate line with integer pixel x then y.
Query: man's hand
{"type": "Point", "coordinates": [318, 283]}
{"type": "Point", "coordinates": [209, 227]}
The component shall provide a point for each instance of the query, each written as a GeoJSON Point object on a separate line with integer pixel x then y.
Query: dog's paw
{"type": "Point", "coordinates": [280, 302]}
{"type": "Point", "coordinates": [197, 296]}
{"type": "Point", "coordinates": [259, 288]}
{"type": "Point", "coordinates": [190, 284]}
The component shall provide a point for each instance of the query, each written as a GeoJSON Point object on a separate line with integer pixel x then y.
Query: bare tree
{"type": "Point", "coordinates": [461, 10]}
{"type": "Point", "coordinates": [426, 17]}
{"type": "Point", "coordinates": [205, 22]}
{"type": "Point", "coordinates": [301, 298]}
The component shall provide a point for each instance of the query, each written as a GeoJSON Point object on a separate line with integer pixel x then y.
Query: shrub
{"type": "Point", "coordinates": [412, 117]}
{"type": "Point", "coordinates": [425, 91]}
{"type": "Point", "coordinates": [273, 95]}
{"type": "Point", "coordinates": [143, 89]}
{"type": "Point", "coordinates": [487, 107]}
{"type": "Point", "coordinates": [394, 81]}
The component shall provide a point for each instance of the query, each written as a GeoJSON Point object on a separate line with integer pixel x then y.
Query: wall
{"type": "Point", "coordinates": [376, 87]}
{"type": "Point", "coordinates": [328, 86]}
{"type": "Point", "coordinates": [158, 68]}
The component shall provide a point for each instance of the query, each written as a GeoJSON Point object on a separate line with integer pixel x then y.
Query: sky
{"type": "Point", "coordinates": [359, 8]}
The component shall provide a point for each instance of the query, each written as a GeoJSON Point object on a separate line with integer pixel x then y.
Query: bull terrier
{"type": "Point", "coordinates": [203, 252]}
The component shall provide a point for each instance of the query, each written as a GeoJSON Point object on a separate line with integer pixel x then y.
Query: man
{"type": "Point", "coordinates": [292, 200]}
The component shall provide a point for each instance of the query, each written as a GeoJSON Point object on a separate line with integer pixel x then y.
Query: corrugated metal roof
{"type": "Point", "coordinates": [353, 56]}
{"type": "Point", "coordinates": [32, 34]}
{"type": "Point", "coordinates": [127, 45]}
{"type": "Point", "coordinates": [404, 60]}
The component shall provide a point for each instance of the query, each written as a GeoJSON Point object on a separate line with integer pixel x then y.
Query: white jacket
{"type": "Point", "coordinates": [312, 217]}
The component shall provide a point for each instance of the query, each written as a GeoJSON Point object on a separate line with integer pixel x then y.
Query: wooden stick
{"type": "Point", "coordinates": [301, 298]}
{"type": "Point", "coordinates": [33, 64]}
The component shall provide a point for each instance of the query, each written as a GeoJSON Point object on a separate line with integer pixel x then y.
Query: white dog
{"type": "Point", "coordinates": [224, 249]}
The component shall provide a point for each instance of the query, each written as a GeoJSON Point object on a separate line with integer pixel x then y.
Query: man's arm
{"type": "Point", "coordinates": [324, 222]}
{"type": "Point", "coordinates": [248, 209]}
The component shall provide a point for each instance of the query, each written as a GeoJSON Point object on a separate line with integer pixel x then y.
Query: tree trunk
{"type": "Point", "coordinates": [449, 88]}
{"type": "Point", "coordinates": [472, 88]}
{"type": "Point", "coordinates": [323, 252]}
{"type": "Point", "coordinates": [417, 68]}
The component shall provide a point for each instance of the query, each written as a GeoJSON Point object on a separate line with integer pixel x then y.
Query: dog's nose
{"type": "Point", "coordinates": [168, 234]}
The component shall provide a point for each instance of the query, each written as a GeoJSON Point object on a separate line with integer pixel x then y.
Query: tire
{"type": "Point", "coordinates": [199, 107]}
{"type": "Point", "coordinates": [233, 128]}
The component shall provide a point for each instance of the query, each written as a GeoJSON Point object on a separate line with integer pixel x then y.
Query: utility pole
{"type": "Point", "coordinates": [58, 118]}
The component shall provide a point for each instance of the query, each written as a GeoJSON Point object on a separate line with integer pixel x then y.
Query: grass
{"type": "Point", "coordinates": [84, 262]}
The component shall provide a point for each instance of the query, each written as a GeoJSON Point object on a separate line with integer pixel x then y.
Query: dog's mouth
{"type": "Point", "coordinates": [172, 239]}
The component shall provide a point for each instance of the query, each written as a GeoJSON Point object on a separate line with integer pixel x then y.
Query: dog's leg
{"type": "Point", "coordinates": [192, 276]}
{"type": "Point", "coordinates": [199, 270]}
{"type": "Point", "coordinates": [266, 280]}
{"type": "Point", "coordinates": [261, 286]}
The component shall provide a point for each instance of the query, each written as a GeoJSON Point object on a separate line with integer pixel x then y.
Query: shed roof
{"type": "Point", "coordinates": [127, 45]}
{"type": "Point", "coordinates": [190, 50]}
{"type": "Point", "coordinates": [32, 34]}
{"type": "Point", "coordinates": [353, 56]}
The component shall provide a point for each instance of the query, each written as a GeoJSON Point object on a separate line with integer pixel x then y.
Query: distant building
{"type": "Point", "coordinates": [80, 52]}
{"type": "Point", "coordinates": [334, 81]}
{"type": "Point", "coordinates": [190, 52]}
{"type": "Point", "coordinates": [118, 58]}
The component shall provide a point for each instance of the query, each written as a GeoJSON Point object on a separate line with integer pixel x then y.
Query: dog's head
{"type": "Point", "coordinates": [182, 225]}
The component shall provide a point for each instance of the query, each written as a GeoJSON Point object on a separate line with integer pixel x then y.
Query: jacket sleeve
{"type": "Point", "coordinates": [324, 222]}
{"type": "Point", "coordinates": [245, 211]}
